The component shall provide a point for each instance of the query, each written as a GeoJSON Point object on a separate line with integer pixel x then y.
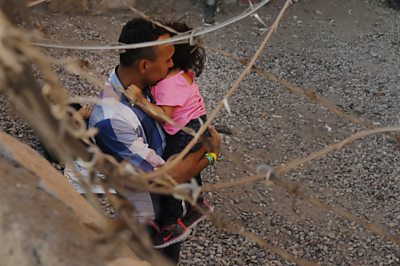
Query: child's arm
{"type": "Point", "coordinates": [155, 111]}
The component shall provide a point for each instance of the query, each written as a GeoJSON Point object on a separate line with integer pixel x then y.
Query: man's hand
{"type": "Point", "coordinates": [213, 143]}
{"type": "Point", "coordinates": [194, 162]}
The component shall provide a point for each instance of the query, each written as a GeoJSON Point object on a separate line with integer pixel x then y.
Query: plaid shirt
{"type": "Point", "coordinates": [125, 131]}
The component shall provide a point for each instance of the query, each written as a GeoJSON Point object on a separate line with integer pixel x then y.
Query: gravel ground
{"type": "Point", "coordinates": [348, 51]}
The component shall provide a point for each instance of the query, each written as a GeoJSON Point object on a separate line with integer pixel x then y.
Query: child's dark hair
{"type": "Point", "coordinates": [187, 57]}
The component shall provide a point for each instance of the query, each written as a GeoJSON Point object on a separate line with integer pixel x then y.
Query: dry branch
{"type": "Point", "coordinates": [60, 129]}
{"type": "Point", "coordinates": [222, 103]}
{"type": "Point", "coordinates": [278, 171]}
{"type": "Point", "coordinates": [46, 110]}
{"type": "Point", "coordinates": [120, 177]}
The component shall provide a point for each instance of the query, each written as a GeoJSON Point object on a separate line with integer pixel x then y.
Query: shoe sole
{"type": "Point", "coordinates": [175, 240]}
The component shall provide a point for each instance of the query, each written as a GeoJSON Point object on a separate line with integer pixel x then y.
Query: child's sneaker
{"type": "Point", "coordinates": [193, 216]}
{"type": "Point", "coordinates": [171, 234]}
{"type": "Point", "coordinates": [152, 229]}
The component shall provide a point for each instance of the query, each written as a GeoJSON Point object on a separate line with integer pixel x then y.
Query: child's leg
{"type": "Point", "coordinates": [171, 210]}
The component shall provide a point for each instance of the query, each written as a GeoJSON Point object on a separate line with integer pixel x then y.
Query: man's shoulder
{"type": "Point", "coordinates": [116, 112]}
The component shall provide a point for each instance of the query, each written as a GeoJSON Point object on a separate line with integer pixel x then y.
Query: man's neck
{"type": "Point", "coordinates": [127, 77]}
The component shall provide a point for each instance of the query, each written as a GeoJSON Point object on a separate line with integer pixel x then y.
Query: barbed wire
{"type": "Point", "coordinates": [115, 171]}
{"type": "Point", "coordinates": [221, 223]}
{"type": "Point", "coordinates": [75, 67]}
{"type": "Point", "coordinates": [348, 215]}
{"type": "Point", "coordinates": [285, 168]}
{"type": "Point", "coordinates": [333, 108]}
{"type": "Point", "coordinates": [186, 37]}
{"type": "Point", "coordinates": [224, 102]}
{"type": "Point", "coordinates": [218, 220]}
{"type": "Point", "coordinates": [312, 96]}
{"type": "Point", "coordinates": [271, 177]}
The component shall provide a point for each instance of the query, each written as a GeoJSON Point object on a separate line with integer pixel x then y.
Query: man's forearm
{"type": "Point", "coordinates": [194, 162]}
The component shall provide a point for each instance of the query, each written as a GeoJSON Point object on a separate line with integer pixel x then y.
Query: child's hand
{"type": "Point", "coordinates": [134, 93]}
{"type": "Point", "coordinates": [86, 110]}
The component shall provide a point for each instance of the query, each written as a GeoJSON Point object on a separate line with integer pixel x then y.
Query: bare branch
{"type": "Point", "coordinates": [216, 110]}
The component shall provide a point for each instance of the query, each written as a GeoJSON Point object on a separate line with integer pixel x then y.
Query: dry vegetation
{"type": "Point", "coordinates": [34, 201]}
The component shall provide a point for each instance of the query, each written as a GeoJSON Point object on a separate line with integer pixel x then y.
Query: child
{"type": "Point", "coordinates": [178, 97]}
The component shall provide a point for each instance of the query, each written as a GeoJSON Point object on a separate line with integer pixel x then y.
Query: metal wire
{"type": "Point", "coordinates": [178, 38]}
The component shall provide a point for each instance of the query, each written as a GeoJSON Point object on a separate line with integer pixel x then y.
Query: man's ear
{"type": "Point", "coordinates": [142, 66]}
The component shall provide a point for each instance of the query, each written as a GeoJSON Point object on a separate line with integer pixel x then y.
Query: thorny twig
{"type": "Point", "coordinates": [334, 109]}
{"type": "Point", "coordinates": [75, 66]}
{"type": "Point", "coordinates": [35, 2]}
{"type": "Point", "coordinates": [220, 221]}
{"type": "Point", "coordinates": [221, 104]}
{"type": "Point", "coordinates": [310, 94]}
{"type": "Point", "coordinates": [104, 163]}
{"type": "Point", "coordinates": [342, 212]}
{"type": "Point", "coordinates": [295, 163]}
{"type": "Point", "coordinates": [313, 96]}
{"type": "Point", "coordinates": [46, 113]}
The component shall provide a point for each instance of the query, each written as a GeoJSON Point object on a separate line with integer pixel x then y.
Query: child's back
{"type": "Point", "coordinates": [182, 92]}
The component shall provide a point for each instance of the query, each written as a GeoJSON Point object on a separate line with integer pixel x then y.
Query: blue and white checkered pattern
{"type": "Point", "coordinates": [125, 131]}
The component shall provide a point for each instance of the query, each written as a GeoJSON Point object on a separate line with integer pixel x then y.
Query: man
{"type": "Point", "coordinates": [210, 6]}
{"type": "Point", "coordinates": [128, 133]}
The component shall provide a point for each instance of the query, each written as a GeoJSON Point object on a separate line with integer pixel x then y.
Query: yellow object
{"type": "Point", "coordinates": [211, 157]}
{"type": "Point", "coordinates": [214, 155]}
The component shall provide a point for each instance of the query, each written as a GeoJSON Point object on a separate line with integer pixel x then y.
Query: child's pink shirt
{"type": "Point", "coordinates": [176, 91]}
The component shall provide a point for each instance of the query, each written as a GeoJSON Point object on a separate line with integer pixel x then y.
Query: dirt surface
{"type": "Point", "coordinates": [348, 52]}
{"type": "Point", "coordinates": [45, 234]}
{"type": "Point", "coordinates": [44, 221]}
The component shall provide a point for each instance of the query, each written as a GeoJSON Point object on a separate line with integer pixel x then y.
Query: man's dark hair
{"type": "Point", "coordinates": [139, 30]}
{"type": "Point", "coordinates": [187, 57]}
